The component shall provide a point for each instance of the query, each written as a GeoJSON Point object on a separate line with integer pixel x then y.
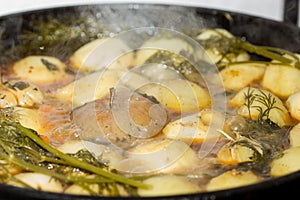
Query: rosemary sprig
{"type": "Point", "coordinates": [266, 100]}
{"type": "Point", "coordinates": [249, 99]}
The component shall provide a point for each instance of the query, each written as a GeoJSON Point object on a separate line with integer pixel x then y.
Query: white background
{"type": "Point", "coordinates": [272, 9]}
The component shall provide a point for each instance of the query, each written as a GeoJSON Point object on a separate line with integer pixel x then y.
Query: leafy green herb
{"type": "Point", "coordinates": [267, 101]}
{"type": "Point", "coordinates": [273, 140]}
{"type": "Point", "coordinates": [22, 147]}
{"type": "Point", "coordinates": [268, 52]}
{"type": "Point", "coordinates": [251, 144]}
{"type": "Point", "coordinates": [50, 66]}
{"type": "Point", "coordinates": [227, 46]}
{"type": "Point", "coordinates": [57, 36]}
{"type": "Point", "coordinates": [21, 85]}
{"type": "Point", "coordinates": [249, 99]}
{"type": "Point", "coordinates": [178, 63]}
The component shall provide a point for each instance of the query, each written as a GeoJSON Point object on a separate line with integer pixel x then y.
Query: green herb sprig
{"type": "Point", "coordinates": [22, 147]}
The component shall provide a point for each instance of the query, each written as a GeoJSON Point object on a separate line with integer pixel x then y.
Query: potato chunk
{"type": "Point", "coordinates": [39, 69]}
{"type": "Point", "coordinates": [90, 56]}
{"type": "Point", "coordinates": [288, 163]}
{"type": "Point", "coordinates": [29, 118]}
{"type": "Point", "coordinates": [160, 155]}
{"type": "Point", "coordinates": [293, 105]}
{"type": "Point", "coordinates": [195, 128]}
{"type": "Point", "coordinates": [102, 152]}
{"type": "Point", "coordinates": [278, 114]}
{"type": "Point", "coordinates": [166, 185]}
{"type": "Point", "coordinates": [232, 179]}
{"type": "Point", "coordinates": [79, 56]}
{"type": "Point", "coordinates": [236, 77]}
{"type": "Point", "coordinates": [88, 88]}
{"type": "Point", "coordinates": [282, 81]}
{"type": "Point", "coordinates": [7, 98]}
{"type": "Point", "coordinates": [233, 153]}
{"type": "Point", "coordinates": [26, 93]}
{"type": "Point", "coordinates": [216, 55]}
{"type": "Point", "coordinates": [178, 95]}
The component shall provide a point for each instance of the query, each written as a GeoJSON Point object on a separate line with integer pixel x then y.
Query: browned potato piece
{"type": "Point", "coordinates": [238, 76]}
{"type": "Point", "coordinates": [281, 80]}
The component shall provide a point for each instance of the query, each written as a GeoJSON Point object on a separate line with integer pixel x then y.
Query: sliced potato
{"type": "Point", "coordinates": [167, 185]}
{"type": "Point", "coordinates": [278, 114]}
{"type": "Point", "coordinates": [195, 128]}
{"type": "Point", "coordinates": [179, 95]}
{"type": "Point", "coordinates": [39, 69]}
{"type": "Point", "coordinates": [294, 136]}
{"type": "Point", "coordinates": [281, 80]}
{"type": "Point", "coordinates": [232, 179]}
{"type": "Point", "coordinates": [288, 163]}
{"type": "Point", "coordinates": [238, 76]}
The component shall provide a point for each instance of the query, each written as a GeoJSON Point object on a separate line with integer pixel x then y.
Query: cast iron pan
{"type": "Point", "coordinates": [119, 17]}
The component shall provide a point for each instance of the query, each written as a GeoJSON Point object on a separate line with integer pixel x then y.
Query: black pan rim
{"type": "Point", "coordinates": [274, 182]}
{"type": "Point", "coordinates": [136, 5]}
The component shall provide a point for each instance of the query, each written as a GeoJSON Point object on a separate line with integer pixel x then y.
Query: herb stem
{"type": "Point", "coordinates": [42, 170]}
{"type": "Point", "coordinates": [266, 52]}
{"type": "Point", "coordinates": [74, 162]}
